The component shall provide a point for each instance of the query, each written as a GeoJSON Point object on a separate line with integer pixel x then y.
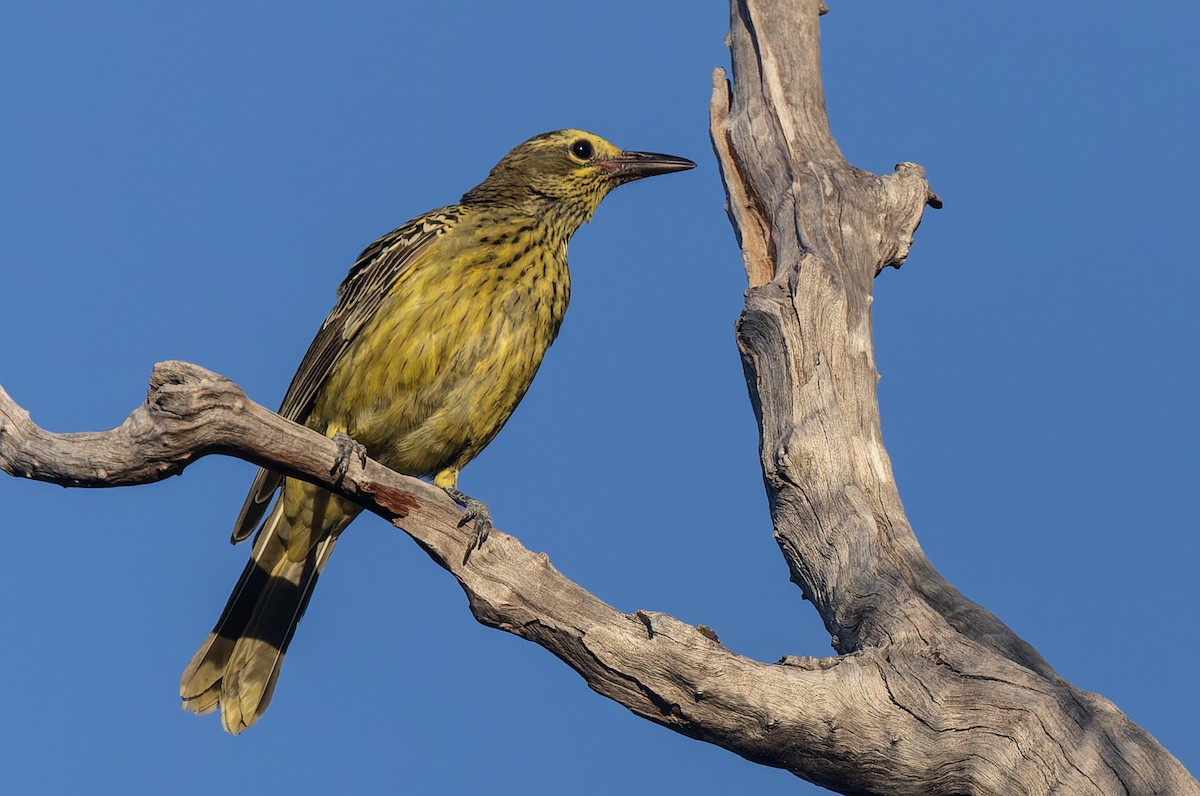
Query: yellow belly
{"type": "Point", "coordinates": [431, 379]}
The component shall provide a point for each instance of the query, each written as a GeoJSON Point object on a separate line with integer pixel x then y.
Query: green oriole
{"type": "Point", "coordinates": [437, 333]}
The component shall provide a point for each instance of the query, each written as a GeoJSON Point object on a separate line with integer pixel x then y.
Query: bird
{"type": "Point", "coordinates": [437, 332]}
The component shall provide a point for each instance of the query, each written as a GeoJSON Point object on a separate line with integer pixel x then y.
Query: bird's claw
{"type": "Point", "coordinates": [477, 512]}
{"type": "Point", "coordinates": [348, 448]}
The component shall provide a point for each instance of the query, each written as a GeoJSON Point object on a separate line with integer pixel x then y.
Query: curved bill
{"type": "Point", "coordinates": [629, 166]}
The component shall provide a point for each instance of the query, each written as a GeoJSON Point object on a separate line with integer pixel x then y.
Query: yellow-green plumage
{"type": "Point", "coordinates": [438, 331]}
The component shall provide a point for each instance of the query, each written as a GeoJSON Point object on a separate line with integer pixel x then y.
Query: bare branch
{"type": "Point", "coordinates": [815, 232]}
{"type": "Point", "coordinates": [819, 718]}
{"type": "Point", "coordinates": [930, 693]}
{"type": "Point", "coordinates": [658, 667]}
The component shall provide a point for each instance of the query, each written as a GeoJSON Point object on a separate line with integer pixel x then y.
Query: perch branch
{"type": "Point", "coordinates": [930, 693]}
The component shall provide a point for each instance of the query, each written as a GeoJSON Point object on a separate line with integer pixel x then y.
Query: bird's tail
{"type": "Point", "coordinates": [237, 666]}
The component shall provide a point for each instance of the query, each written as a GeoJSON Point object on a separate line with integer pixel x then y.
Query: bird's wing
{"type": "Point", "coordinates": [370, 281]}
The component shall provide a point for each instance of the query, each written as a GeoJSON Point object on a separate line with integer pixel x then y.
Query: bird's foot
{"type": "Point", "coordinates": [348, 448]}
{"type": "Point", "coordinates": [476, 511]}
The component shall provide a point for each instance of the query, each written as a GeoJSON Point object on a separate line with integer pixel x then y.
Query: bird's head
{"type": "Point", "coordinates": [567, 172]}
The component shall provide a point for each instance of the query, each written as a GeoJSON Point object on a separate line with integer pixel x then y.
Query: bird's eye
{"type": "Point", "coordinates": [582, 149]}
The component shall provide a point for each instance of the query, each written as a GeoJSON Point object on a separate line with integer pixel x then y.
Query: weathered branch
{"type": "Point", "coordinates": [786, 715]}
{"type": "Point", "coordinates": [875, 714]}
{"type": "Point", "coordinates": [930, 693]}
{"type": "Point", "coordinates": [992, 716]}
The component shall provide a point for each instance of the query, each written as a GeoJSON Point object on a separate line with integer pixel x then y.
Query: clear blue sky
{"type": "Point", "coordinates": [191, 181]}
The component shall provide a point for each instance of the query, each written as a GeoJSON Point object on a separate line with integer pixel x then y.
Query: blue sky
{"type": "Point", "coordinates": [191, 181]}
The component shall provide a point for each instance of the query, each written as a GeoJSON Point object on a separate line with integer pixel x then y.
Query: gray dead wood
{"type": "Point", "coordinates": [953, 701]}
{"type": "Point", "coordinates": [930, 693]}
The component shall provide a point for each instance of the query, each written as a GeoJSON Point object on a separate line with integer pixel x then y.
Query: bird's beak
{"type": "Point", "coordinates": [629, 166]}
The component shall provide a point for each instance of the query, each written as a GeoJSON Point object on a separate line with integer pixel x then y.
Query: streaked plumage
{"type": "Point", "coordinates": [437, 333]}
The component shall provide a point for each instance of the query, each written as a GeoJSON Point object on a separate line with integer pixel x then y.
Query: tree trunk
{"type": "Point", "coordinates": [929, 693]}
{"type": "Point", "coordinates": [957, 702]}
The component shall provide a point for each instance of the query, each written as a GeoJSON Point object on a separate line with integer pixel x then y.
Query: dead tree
{"type": "Point", "coordinates": [929, 693]}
